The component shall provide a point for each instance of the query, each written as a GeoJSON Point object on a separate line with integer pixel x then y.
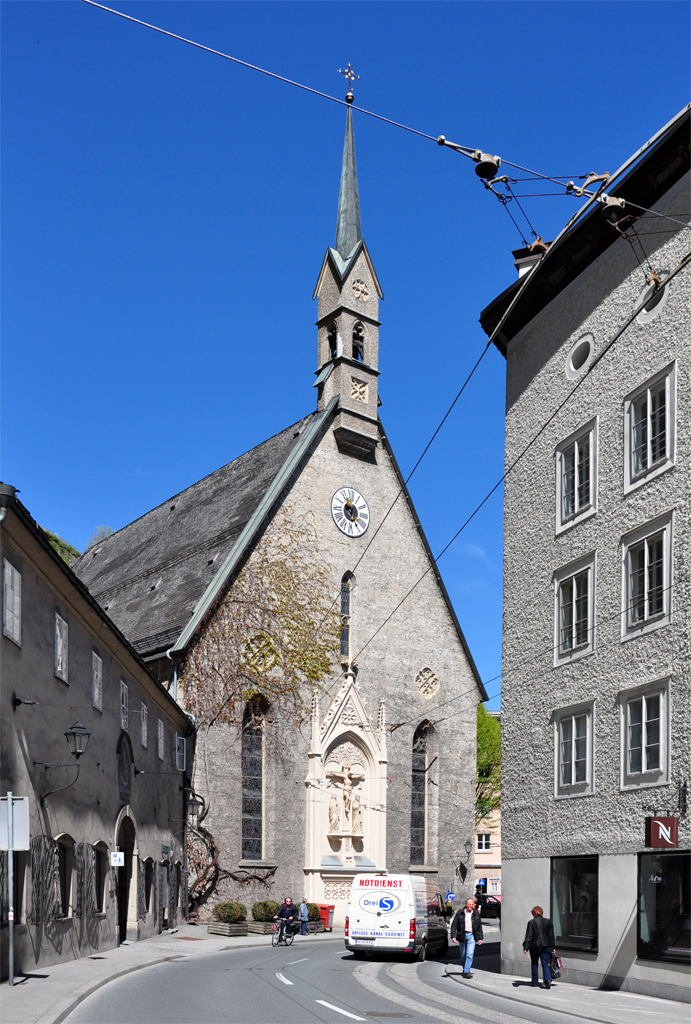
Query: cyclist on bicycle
{"type": "Point", "coordinates": [286, 915]}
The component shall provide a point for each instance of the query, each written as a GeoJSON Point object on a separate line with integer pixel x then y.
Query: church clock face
{"type": "Point", "coordinates": [350, 512]}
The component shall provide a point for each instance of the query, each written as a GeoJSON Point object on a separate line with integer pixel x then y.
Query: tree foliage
{"type": "Point", "coordinates": [99, 534]}
{"type": "Point", "coordinates": [488, 778]}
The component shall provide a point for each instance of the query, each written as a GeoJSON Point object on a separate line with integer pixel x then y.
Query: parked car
{"type": "Point", "coordinates": [490, 906]}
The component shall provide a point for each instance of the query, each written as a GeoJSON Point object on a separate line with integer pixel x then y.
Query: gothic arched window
{"type": "Point", "coordinates": [418, 796]}
{"type": "Point", "coordinates": [332, 335]}
{"type": "Point", "coordinates": [347, 583]}
{"type": "Point", "coordinates": [252, 781]}
{"type": "Point", "coordinates": [359, 342]}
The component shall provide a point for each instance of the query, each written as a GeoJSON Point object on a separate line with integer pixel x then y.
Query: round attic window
{"type": "Point", "coordinates": [655, 297]}
{"type": "Point", "coordinates": [579, 357]}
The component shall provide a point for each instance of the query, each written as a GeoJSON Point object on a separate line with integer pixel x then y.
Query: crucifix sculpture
{"type": "Point", "coordinates": [346, 777]}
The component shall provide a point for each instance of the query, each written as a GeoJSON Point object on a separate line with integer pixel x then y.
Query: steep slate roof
{"type": "Point", "coordinates": [174, 543]}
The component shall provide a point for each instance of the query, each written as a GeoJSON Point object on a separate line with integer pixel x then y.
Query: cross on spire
{"type": "Point", "coordinates": [350, 77]}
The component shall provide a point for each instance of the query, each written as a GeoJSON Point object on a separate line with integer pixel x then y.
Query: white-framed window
{"type": "Point", "coordinates": [647, 578]}
{"type": "Point", "coordinates": [573, 750]}
{"type": "Point", "coordinates": [96, 681]}
{"type": "Point", "coordinates": [494, 886]}
{"type": "Point", "coordinates": [650, 429]}
{"type": "Point", "coordinates": [484, 841]}
{"type": "Point", "coordinates": [574, 610]}
{"type": "Point", "coordinates": [159, 740]}
{"type": "Point", "coordinates": [577, 477]}
{"type": "Point", "coordinates": [144, 726]}
{"type": "Point", "coordinates": [645, 726]}
{"type": "Point", "coordinates": [60, 648]}
{"type": "Point", "coordinates": [12, 603]}
{"type": "Point", "coordinates": [180, 753]}
{"type": "Point", "coordinates": [124, 705]}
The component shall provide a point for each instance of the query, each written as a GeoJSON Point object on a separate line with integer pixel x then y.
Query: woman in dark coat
{"type": "Point", "coordinates": [539, 941]}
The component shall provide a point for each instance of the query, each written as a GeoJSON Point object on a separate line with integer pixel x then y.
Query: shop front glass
{"type": "Point", "coordinates": [664, 907]}
{"type": "Point", "coordinates": [574, 902]}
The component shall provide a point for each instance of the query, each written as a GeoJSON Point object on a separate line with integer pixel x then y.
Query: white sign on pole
{"type": "Point", "coordinates": [117, 859]}
{"type": "Point", "coordinates": [20, 830]}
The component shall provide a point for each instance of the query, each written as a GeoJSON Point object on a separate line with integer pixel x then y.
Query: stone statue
{"type": "Point", "coordinates": [357, 814]}
{"type": "Point", "coordinates": [347, 800]}
{"type": "Point", "coordinates": [334, 814]}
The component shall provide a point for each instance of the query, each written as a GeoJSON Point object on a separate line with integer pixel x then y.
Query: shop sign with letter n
{"type": "Point", "coordinates": [662, 833]}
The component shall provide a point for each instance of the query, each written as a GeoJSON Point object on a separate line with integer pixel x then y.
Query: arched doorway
{"type": "Point", "coordinates": [125, 841]}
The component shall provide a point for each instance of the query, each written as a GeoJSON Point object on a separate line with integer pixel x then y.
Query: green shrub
{"type": "Point", "coordinates": [313, 912]}
{"type": "Point", "coordinates": [264, 910]}
{"type": "Point", "coordinates": [230, 913]}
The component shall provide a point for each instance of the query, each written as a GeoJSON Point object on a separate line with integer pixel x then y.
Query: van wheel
{"type": "Point", "coordinates": [359, 954]}
{"type": "Point", "coordinates": [444, 948]}
{"type": "Point", "coordinates": [422, 953]}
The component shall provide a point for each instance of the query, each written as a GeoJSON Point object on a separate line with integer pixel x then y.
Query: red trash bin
{"type": "Point", "coordinates": [326, 910]}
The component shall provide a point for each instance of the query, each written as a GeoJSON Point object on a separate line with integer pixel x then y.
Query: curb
{"type": "Point", "coordinates": [525, 1002]}
{"type": "Point", "coordinates": [59, 1013]}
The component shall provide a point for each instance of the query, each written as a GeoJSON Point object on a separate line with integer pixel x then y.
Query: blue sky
{"type": "Point", "coordinates": [165, 213]}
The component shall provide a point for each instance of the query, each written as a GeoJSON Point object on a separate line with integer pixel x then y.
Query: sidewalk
{"type": "Point", "coordinates": [576, 1000]}
{"type": "Point", "coordinates": [49, 994]}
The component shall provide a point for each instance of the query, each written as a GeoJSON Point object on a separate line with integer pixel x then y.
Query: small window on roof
{"type": "Point", "coordinates": [156, 585]}
{"type": "Point", "coordinates": [213, 558]}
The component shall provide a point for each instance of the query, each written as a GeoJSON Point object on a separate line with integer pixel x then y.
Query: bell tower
{"type": "Point", "coordinates": [348, 326]}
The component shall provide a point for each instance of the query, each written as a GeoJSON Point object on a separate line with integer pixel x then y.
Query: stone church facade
{"type": "Point", "coordinates": [374, 767]}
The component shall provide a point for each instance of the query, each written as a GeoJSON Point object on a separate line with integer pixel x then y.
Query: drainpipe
{"type": "Point", "coordinates": [175, 675]}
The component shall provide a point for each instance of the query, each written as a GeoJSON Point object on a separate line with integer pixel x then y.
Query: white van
{"type": "Point", "coordinates": [395, 913]}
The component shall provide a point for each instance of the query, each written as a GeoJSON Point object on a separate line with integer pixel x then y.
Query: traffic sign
{"type": "Point", "coordinates": [451, 895]}
{"type": "Point", "coordinates": [117, 859]}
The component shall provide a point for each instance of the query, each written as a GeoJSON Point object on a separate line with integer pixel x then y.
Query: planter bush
{"type": "Point", "coordinates": [264, 910]}
{"type": "Point", "coordinates": [229, 913]}
{"type": "Point", "coordinates": [313, 912]}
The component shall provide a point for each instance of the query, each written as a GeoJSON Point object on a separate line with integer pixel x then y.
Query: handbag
{"type": "Point", "coordinates": [555, 965]}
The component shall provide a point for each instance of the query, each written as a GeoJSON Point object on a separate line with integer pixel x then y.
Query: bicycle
{"type": "Point", "coordinates": [283, 931]}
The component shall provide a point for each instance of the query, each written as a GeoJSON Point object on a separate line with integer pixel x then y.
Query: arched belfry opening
{"type": "Point", "coordinates": [347, 587]}
{"type": "Point", "coordinates": [332, 338]}
{"type": "Point", "coordinates": [358, 342]}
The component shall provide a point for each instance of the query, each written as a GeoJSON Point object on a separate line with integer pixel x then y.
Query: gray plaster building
{"type": "Point", "coordinates": [597, 592]}
{"type": "Point", "coordinates": [356, 776]}
{"type": "Point", "coordinates": [63, 663]}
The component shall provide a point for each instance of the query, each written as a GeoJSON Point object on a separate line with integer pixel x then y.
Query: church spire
{"type": "Point", "coordinates": [348, 229]}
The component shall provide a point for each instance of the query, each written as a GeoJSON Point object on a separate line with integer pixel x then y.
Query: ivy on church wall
{"type": "Point", "coordinates": [274, 632]}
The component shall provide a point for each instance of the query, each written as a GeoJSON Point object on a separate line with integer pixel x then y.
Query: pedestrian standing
{"type": "Point", "coordinates": [304, 915]}
{"type": "Point", "coordinates": [466, 929]}
{"type": "Point", "coordinates": [539, 942]}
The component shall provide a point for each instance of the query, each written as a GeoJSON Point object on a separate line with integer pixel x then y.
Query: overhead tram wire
{"type": "Point", "coordinates": [527, 661]}
{"type": "Point", "coordinates": [639, 308]}
{"type": "Point", "coordinates": [264, 71]}
{"type": "Point", "coordinates": [466, 151]}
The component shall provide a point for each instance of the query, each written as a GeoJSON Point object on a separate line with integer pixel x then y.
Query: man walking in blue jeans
{"type": "Point", "coordinates": [466, 929]}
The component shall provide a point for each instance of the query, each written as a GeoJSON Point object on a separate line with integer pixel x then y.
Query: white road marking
{"type": "Point", "coordinates": [283, 979]}
{"type": "Point", "coordinates": [345, 1013]}
{"type": "Point", "coordinates": [297, 961]}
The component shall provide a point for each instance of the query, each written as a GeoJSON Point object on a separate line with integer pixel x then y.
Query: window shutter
{"type": "Point", "coordinates": [144, 734]}
{"type": "Point", "coordinates": [96, 681]}
{"type": "Point", "coordinates": [180, 753]}
{"type": "Point", "coordinates": [12, 608]}
{"type": "Point", "coordinates": [124, 705]}
{"type": "Point", "coordinates": [160, 739]}
{"type": "Point", "coordinates": [61, 633]}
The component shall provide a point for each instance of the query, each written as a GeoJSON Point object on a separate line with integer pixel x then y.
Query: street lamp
{"type": "Point", "coordinates": [77, 738]}
{"type": "Point", "coordinates": [194, 806]}
{"type": "Point", "coordinates": [468, 846]}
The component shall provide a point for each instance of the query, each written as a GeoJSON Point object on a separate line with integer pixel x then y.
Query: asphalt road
{"type": "Point", "coordinates": [298, 985]}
